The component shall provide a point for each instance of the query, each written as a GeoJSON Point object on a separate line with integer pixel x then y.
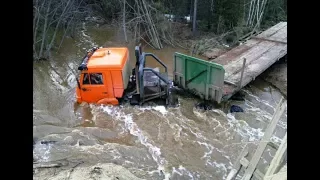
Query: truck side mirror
{"type": "Point", "coordinates": [78, 82]}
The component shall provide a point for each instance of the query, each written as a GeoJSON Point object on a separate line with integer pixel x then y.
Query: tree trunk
{"type": "Point", "coordinates": [35, 28]}
{"type": "Point", "coordinates": [191, 16]}
{"type": "Point", "coordinates": [154, 34]}
{"type": "Point", "coordinates": [35, 15]}
{"type": "Point", "coordinates": [285, 6]}
{"type": "Point", "coordinates": [65, 32]}
{"type": "Point", "coordinates": [258, 10]}
{"type": "Point", "coordinates": [44, 30]}
{"type": "Point", "coordinates": [57, 26]}
{"type": "Point", "coordinates": [124, 20]}
{"type": "Point", "coordinates": [263, 4]}
{"type": "Point", "coordinates": [194, 17]}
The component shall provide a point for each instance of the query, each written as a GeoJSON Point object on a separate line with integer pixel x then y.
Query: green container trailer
{"type": "Point", "coordinates": [203, 78]}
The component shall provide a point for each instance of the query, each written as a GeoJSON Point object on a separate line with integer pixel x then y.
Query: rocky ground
{"type": "Point", "coordinates": [106, 171]}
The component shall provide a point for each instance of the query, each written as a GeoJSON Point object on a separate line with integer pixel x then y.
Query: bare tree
{"type": "Point", "coordinates": [44, 29]}
{"type": "Point", "coordinates": [142, 23]}
{"type": "Point", "coordinates": [57, 26]}
{"type": "Point", "coordinates": [255, 13]}
{"type": "Point", "coordinates": [51, 17]}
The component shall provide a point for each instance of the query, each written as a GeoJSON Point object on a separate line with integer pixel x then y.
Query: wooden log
{"type": "Point", "coordinates": [47, 165]}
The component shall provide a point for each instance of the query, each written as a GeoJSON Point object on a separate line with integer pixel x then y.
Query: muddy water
{"type": "Point", "coordinates": [151, 142]}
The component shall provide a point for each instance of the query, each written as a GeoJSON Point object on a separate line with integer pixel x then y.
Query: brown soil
{"type": "Point", "coordinates": [277, 76]}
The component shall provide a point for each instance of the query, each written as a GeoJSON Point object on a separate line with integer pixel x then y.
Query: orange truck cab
{"type": "Point", "coordinates": [105, 74]}
{"type": "Point", "coordinates": [106, 77]}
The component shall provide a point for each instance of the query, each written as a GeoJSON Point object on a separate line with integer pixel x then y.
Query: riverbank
{"type": "Point", "coordinates": [80, 171]}
{"type": "Point", "coordinates": [276, 75]}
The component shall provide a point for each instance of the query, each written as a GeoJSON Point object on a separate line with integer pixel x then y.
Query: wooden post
{"type": "Point", "coordinates": [278, 157]}
{"type": "Point", "coordinates": [242, 71]}
{"type": "Point", "coordinates": [237, 165]}
{"type": "Point", "coordinates": [265, 139]}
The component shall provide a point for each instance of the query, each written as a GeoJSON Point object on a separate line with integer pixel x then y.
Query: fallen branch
{"type": "Point", "coordinates": [69, 173]}
{"type": "Point", "coordinates": [35, 166]}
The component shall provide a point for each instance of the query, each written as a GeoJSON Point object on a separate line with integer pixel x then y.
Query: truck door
{"type": "Point", "coordinates": [94, 87]}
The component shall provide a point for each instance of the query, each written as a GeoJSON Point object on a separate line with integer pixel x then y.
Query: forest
{"type": "Point", "coordinates": [157, 23]}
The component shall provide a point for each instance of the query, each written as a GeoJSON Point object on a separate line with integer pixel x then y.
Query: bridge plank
{"type": "Point", "coordinates": [260, 53]}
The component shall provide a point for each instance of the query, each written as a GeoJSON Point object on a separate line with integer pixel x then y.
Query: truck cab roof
{"type": "Point", "coordinates": [112, 57]}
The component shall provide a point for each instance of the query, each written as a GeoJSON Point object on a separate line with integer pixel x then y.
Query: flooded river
{"type": "Point", "coordinates": [152, 142]}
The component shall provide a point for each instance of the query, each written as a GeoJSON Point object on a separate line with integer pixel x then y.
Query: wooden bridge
{"type": "Point", "coordinates": [222, 77]}
{"type": "Point", "coordinates": [245, 62]}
